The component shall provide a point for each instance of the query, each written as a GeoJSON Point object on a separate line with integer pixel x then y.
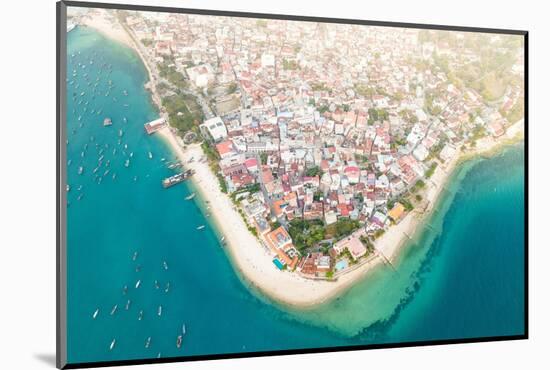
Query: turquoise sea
{"type": "Point", "coordinates": [461, 277]}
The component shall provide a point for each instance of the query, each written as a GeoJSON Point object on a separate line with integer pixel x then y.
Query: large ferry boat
{"type": "Point", "coordinates": [176, 179]}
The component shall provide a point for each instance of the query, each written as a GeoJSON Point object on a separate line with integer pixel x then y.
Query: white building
{"type": "Point", "coordinates": [215, 128]}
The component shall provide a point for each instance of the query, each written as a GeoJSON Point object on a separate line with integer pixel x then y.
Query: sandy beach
{"type": "Point", "coordinates": [104, 22]}
{"type": "Point", "coordinates": [248, 255]}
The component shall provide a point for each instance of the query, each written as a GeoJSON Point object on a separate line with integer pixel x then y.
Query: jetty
{"type": "Point", "coordinates": [155, 125]}
{"type": "Point", "coordinates": [176, 179]}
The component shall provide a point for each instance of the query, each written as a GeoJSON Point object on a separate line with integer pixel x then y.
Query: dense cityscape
{"type": "Point", "coordinates": [327, 137]}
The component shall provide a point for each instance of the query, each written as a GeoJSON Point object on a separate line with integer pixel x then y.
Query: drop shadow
{"type": "Point", "coordinates": [46, 358]}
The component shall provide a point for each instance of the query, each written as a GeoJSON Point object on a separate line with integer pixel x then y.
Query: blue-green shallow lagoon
{"type": "Point", "coordinates": [461, 277]}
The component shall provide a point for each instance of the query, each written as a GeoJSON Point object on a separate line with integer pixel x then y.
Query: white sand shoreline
{"type": "Point", "coordinates": [247, 253]}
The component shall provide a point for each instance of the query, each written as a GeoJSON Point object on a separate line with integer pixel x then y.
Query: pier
{"type": "Point", "coordinates": [176, 179]}
{"type": "Point", "coordinates": [155, 125]}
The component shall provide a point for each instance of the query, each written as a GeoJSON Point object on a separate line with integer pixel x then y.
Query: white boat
{"type": "Point", "coordinates": [120, 133]}
{"type": "Point", "coordinates": [148, 342]}
{"type": "Point", "coordinates": [200, 227]}
{"type": "Point", "coordinates": [128, 305]}
{"type": "Point", "coordinates": [134, 256]}
{"type": "Point", "coordinates": [138, 283]}
{"type": "Point", "coordinates": [183, 329]}
{"type": "Point", "coordinates": [96, 312]}
{"type": "Point", "coordinates": [179, 340]}
{"type": "Point", "coordinates": [114, 309]}
{"type": "Point", "coordinates": [80, 170]}
{"type": "Point", "coordinates": [68, 188]}
{"type": "Point", "coordinates": [165, 265]}
{"type": "Point", "coordinates": [127, 163]}
{"type": "Point", "coordinates": [112, 345]}
{"type": "Point", "coordinates": [140, 315]}
{"type": "Point", "coordinates": [150, 155]}
{"type": "Point", "coordinates": [190, 196]}
{"type": "Point", "coordinates": [167, 287]}
{"type": "Point", "coordinates": [159, 312]}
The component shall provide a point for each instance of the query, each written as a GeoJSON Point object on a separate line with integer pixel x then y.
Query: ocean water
{"type": "Point", "coordinates": [462, 276]}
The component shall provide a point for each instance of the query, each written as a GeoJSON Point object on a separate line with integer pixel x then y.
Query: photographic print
{"type": "Point", "coordinates": [237, 185]}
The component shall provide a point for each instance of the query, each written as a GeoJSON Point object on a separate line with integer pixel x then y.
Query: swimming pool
{"type": "Point", "coordinates": [341, 265]}
{"type": "Point", "coordinates": [278, 263]}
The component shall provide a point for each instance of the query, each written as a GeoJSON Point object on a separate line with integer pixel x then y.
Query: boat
{"type": "Point", "coordinates": [127, 163]}
{"type": "Point", "coordinates": [179, 340]}
{"type": "Point", "coordinates": [128, 305]}
{"type": "Point", "coordinates": [200, 227]}
{"type": "Point", "coordinates": [174, 165]}
{"type": "Point", "coordinates": [114, 309]}
{"type": "Point", "coordinates": [80, 170]}
{"type": "Point", "coordinates": [68, 187]}
{"type": "Point", "coordinates": [159, 312]}
{"type": "Point", "coordinates": [140, 315]}
{"type": "Point", "coordinates": [148, 342]}
{"type": "Point", "coordinates": [190, 196]}
{"type": "Point", "coordinates": [167, 287]}
{"type": "Point", "coordinates": [96, 312]}
{"type": "Point", "coordinates": [157, 286]}
{"type": "Point", "coordinates": [134, 257]}
{"type": "Point", "coordinates": [150, 155]}
{"type": "Point", "coordinates": [112, 345]}
{"type": "Point", "coordinates": [125, 289]}
{"type": "Point", "coordinates": [138, 283]}
{"type": "Point", "coordinates": [120, 133]}
{"type": "Point", "coordinates": [125, 92]}
{"type": "Point", "coordinates": [107, 122]}
{"type": "Point", "coordinates": [176, 179]}
{"type": "Point", "coordinates": [165, 265]}
{"type": "Point", "coordinates": [80, 197]}
{"type": "Point", "coordinates": [183, 329]}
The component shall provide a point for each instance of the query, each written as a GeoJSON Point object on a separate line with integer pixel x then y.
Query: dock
{"type": "Point", "coordinates": [176, 179]}
{"type": "Point", "coordinates": [155, 125]}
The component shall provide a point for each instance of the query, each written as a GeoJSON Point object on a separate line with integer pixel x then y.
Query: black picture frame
{"type": "Point", "coordinates": [61, 268]}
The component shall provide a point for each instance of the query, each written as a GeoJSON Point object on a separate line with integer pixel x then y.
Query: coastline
{"type": "Point", "coordinates": [251, 259]}
{"type": "Point", "coordinates": [392, 241]}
